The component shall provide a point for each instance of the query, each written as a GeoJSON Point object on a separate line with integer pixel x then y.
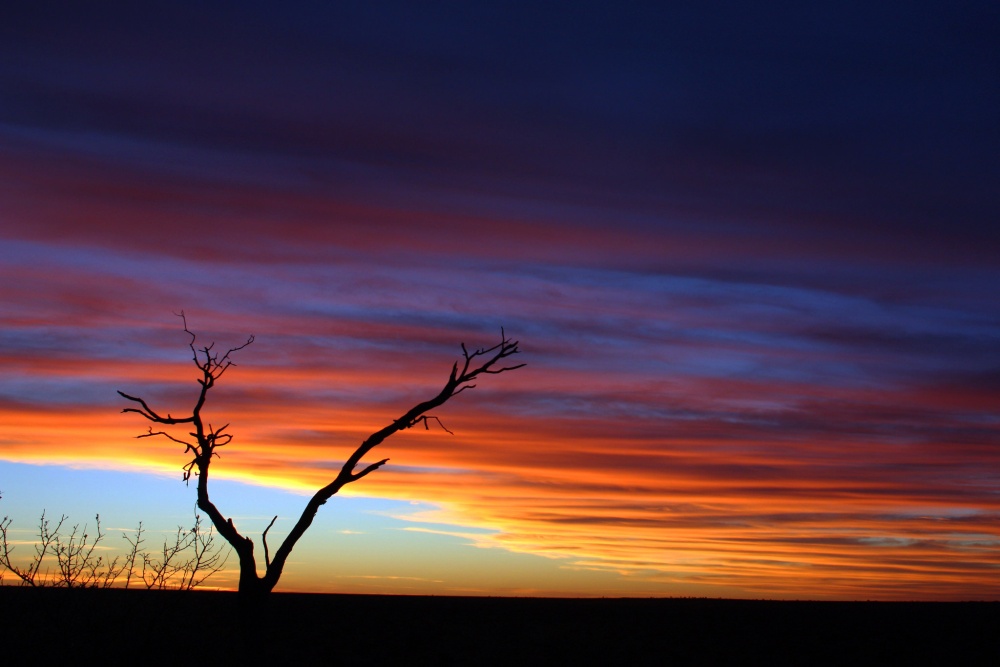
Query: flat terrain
{"type": "Point", "coordinates": [149, 627]}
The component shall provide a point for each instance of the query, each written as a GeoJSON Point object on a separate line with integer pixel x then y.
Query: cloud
{"type": "Point", "coordinates": [752, 272]}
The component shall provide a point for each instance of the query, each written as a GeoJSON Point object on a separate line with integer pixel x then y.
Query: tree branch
{"type": "Point", "coordinates": [456, 383]}
{"type": "Point", "coordinates": [263, 539]}
{"type": "Point", "coordinates": [372, 468]}
{"type": "Point", "coordinates": [152, 433]}
{"type": "Point", "coordinates": [150, 414]}
{"type": "Point", "coordinates": [427, 426]}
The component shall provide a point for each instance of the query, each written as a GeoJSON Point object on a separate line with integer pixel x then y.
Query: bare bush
{"type": "Point", "coordinates": [77, 566]}
{"type": "Point", "coordinates": [28, 575]}
{"type": "Point", "coordinates": [194, 556]}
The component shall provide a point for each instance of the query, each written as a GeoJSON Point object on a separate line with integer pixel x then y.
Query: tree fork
{"type": "Point", "coordinates": [482, 361]}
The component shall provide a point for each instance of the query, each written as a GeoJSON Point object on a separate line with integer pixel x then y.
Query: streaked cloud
{"type": "Point", "coordinates": [754, 286]}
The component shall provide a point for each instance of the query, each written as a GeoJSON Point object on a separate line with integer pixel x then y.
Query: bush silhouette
{"type": "Point", "coordinates": [193, 557]}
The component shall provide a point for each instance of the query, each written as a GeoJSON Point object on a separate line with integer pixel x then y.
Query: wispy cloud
{"type": "Point", "coordinates": [755, 286]}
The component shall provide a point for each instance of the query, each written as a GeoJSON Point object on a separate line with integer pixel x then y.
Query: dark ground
{"type": "Point", "coordinates": [150, 627]}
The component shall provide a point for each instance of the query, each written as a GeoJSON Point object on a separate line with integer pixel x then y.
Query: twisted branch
{"type": "Point", "coordinates": [481, 361]}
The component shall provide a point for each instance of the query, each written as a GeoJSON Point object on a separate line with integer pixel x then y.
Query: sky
{"type": "Point", "coordinates": [750, 252]}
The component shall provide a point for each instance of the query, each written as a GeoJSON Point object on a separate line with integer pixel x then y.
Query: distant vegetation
{"type": "Point", "coordinates": [74, 560]}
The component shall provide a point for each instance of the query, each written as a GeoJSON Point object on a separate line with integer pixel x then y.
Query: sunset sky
{"type": "Point", "coordinates": [751, 252]}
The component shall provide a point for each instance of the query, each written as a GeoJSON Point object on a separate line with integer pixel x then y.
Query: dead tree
{"type": "Point", "coordinates": [203, 441]}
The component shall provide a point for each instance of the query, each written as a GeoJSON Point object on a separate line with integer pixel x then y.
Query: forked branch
{"type": "Point", "coordinates": [205, 440]}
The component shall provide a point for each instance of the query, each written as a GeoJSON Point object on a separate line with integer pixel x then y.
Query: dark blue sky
{"type": "Point", "coordinates": [870, 129]}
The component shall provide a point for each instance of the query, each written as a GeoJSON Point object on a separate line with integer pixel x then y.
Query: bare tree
{"type": "Point", "coordinates": [29, 575]}
{"type": "Point", "coordinates": [133, 554]}
{"type": "Point", "coordinates": [77, 565]}
{"type": "Point", "coordinates": [204, 439]}
{"type": "Point", "coordinates": [207, 558]}
{"type": "Point", "coordinates": [174, 568]}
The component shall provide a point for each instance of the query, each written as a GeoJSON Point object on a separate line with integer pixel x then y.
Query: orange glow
{"type": "Point", "coordinates": [691, 512]}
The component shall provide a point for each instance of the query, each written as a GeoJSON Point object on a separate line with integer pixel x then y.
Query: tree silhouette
{"type": "Point", "coordinates": [204, 440]}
